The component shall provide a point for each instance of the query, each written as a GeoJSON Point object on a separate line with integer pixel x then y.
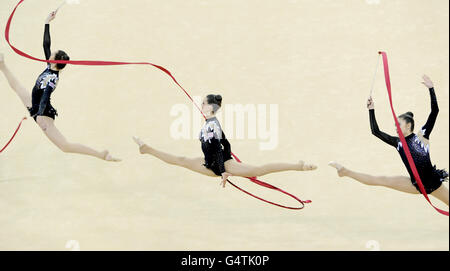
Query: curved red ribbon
{"type": "Point", "coordinates": [110, 63]}
{"type": "Point", "coordinates": [402, 137]}
{"type": "Point", "coordinates": [14, 135]}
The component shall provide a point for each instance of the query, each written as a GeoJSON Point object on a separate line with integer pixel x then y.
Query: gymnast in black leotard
{"type": "Point", "coordinates": [217, 159]}
{"type": "Point", "coordinates": [431, 177]}
{"type": "Point", "coordinates": [46, 82]}
{"type": "Point", "coordinates": [215, 146]}
{"type": "Point", "coordinates": [418, 144]}
{"type": "Point", "coordinates": [38, 103]}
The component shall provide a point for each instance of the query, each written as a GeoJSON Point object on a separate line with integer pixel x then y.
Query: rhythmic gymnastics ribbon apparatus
{"type": "Point", "coordinates": [402, 137]}
{"type": "Point", "coordinates": [115, 63]}
{"type": "Point", "coordinates": [14, 135]}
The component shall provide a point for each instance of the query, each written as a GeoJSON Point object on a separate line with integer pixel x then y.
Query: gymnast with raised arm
{"type": "Point", "coordinates": [38, 103]}
{"type": "Point", "coordinates": [419, 146]}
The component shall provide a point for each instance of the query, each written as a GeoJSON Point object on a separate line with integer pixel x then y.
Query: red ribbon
{"type": "Point", "coordinates": [402, 137]}
{"type": "Point", "coordinates": [110, 63]}
{"type": "Point", "coordinates": [14, 135]}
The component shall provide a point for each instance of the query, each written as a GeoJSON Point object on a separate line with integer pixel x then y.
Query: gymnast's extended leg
{"type": "Point", "coordinates": [20, 90]}
{"type": "Point", "coordinates": [47, 125]}
{"type": "Point", "coordinates": [194, 164]}
{"type": "Point", "coordinates": [245, 170]}
{"type": "Point", "coordinates": [231, 166]}
{"type": "Point", "coordinates": [399, 183]}
{"type": "Point", "coordinates": [441, 194]}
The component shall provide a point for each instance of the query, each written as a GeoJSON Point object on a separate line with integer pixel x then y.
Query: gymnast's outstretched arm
{"type": "Point", "coordinates": [391, 140]}
{"type": "Point", "coordinates": [47, 42]}
{"type": "Point", "coordinates": [47, 39]}
{"type": "Point", "coordinates": [429, 125]}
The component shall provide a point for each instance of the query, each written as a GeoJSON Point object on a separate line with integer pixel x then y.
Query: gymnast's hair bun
{"type": "Point", "coordinates": [410, 114]}
{"type": "Point", "coordinates": [218, 98]}
{"type": "Point", "coordinates": [214, 99]}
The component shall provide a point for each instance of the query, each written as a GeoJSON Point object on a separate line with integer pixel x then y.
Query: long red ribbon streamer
{"type": "Point", "coordinates": [14, 135]}
{"type": "Point", "coordinates": [402, 137]}
{"type": "Point", "coordinates": [110, 63]}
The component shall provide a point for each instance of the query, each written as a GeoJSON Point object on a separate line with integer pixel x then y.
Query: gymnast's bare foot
{"type": "Point", "coordinates": [306, 167]}
{"type": "Point", "coordinates": [107, 157]}
{"type": "Point", "coordinates": [142, 146]}
{"type": "Point", "coordinates": [340, 169]}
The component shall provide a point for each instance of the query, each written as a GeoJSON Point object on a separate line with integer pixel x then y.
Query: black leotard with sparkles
{"type": "Point", "coordinates": [215, 146]}
{"type": "Point", "coordinates": [431, 177]}
{"type": "Point", "coordinates": [45, 85]}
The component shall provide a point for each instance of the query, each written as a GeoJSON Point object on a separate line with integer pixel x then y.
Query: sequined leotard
{"type": "Point", "coordinates": [215, 146]}
{"type": "Point", "coordinates": [45, 85]}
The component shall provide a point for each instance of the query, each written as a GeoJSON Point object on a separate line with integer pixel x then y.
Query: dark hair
{"type": "Point", "coordinates": [214, 100]}
{"type": "Point", "coordinates": [408, 117]}
{"type": "Point", "coordinates": [61, 55]}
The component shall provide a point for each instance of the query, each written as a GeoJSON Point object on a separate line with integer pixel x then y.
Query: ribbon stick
{"type": "Point", "coordinates": [111, 63]}
{"type": "Point", "coordinates": [402, 137]}
{"type": "Point", "coordinates": [70, 2]}
{"type": "Point", "coordinates": [60, 6]}
{"type": "Point", "coordinates": [374, 77]}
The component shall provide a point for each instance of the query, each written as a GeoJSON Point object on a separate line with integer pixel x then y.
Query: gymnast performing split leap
{"type": "Point", "coordinates": [419, 147]}
{"type": "Point", "coordinates": [38, 103]}
{"type": "Point", "coordinates": [217, 160]}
